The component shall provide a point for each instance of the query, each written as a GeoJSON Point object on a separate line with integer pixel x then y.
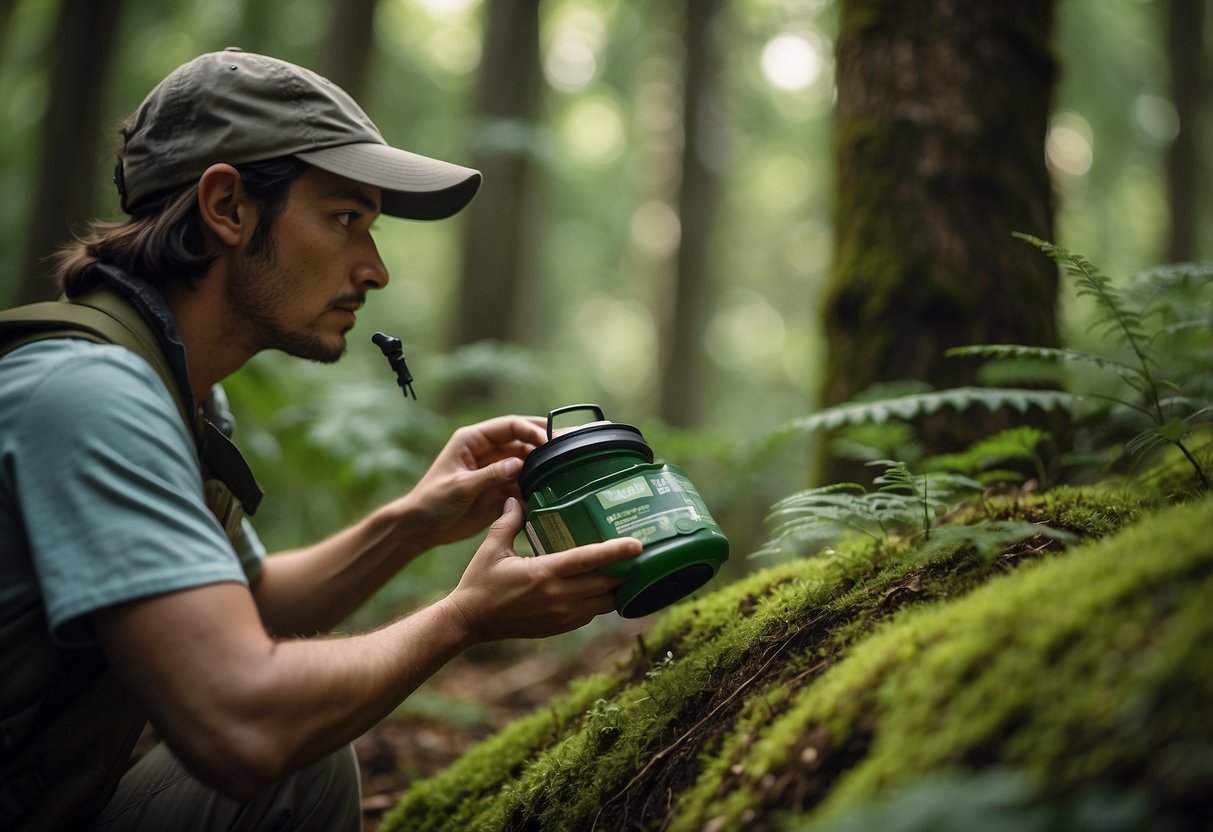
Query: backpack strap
{"type": "Point", "coordinates": [67, 724]}
{"type": "Point", "coordinates": [105, 316]}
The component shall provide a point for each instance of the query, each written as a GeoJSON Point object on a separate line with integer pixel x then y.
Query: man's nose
{"type": "Point", "coordinates": [371, 273]}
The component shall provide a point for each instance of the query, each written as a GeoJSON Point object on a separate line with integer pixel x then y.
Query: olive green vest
{"type": "Point", "coordinates": [67, 724]}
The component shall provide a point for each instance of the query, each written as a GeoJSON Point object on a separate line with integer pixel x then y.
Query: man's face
{"type": "Point", "coordinates": [299, 295]}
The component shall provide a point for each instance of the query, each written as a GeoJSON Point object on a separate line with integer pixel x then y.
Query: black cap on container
{"type": "Point", "coordinates": [594, 437]}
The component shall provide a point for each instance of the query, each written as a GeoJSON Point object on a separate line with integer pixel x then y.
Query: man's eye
{"type": "Point", "coordinates": [344, 218]}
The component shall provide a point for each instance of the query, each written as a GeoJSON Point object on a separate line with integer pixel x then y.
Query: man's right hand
{"type": "Point", "coordinates": [505, 595]}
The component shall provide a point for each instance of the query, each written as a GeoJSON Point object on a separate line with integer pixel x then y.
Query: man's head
{"type": "Point", "coordinates": [237, 107]}
{"type": "Point", "coordinates": [272, 121]}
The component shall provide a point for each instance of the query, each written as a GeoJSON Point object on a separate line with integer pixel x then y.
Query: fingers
{"type": "Point", "coordinates": [505, 431]}
{"type": "Point", "coordinates": [592, 556]}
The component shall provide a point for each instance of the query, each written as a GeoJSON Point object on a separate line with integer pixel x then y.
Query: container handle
{"type": "Point", "coordinates": [569, 408]}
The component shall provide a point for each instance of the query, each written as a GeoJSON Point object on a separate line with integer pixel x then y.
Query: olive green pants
{"type": "Point", "coordinates": [159, 794]}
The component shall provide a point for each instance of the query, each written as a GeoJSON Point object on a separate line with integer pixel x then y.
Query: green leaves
{"type": "Point", "coordinates": [919, 404]}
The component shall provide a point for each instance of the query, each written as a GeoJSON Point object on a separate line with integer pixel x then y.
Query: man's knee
{"type": "Point", "coordinates": [328, 793]}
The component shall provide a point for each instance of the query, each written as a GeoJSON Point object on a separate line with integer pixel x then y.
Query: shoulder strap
{"type": "Point", "coordinates": [104, 316]}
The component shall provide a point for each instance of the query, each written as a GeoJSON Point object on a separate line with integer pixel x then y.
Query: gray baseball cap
{"type": "Point", "coordinates": [238, 107]}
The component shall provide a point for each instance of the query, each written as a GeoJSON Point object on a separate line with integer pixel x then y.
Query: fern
{"type": "Point", "coordinates": [903, 502]}
{"type": "Point", "coordinates": [1013, 444]}
{"type": "Point", "coordinates": [1117, 319]}
{"type": "Point", "coordinates": [919, 404]}
{"type": "Point", "coordinates": [1170, 411]}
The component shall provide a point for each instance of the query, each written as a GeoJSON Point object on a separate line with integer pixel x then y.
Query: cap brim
{"type": "Point", "coordinates": [414, 186]}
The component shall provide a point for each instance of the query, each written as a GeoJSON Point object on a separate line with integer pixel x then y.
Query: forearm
{"type": "Point", "coordinates": [310, 590]}
{"type": "Point", "coordinates": [315, 695]}
{"type": "Point", "coordinates": [241, 709]}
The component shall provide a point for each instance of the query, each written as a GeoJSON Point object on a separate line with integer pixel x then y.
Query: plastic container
{"type": "Point", "coordinates": [598, 481]}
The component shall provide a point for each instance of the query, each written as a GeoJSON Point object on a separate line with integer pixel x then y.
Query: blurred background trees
{"type": "Point", "coordinates": [675, 199]}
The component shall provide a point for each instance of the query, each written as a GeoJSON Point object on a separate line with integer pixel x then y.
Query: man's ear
{"type": "Point", "coordinates": [224, 205]}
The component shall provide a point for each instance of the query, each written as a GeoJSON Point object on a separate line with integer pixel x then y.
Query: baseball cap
{"type": "Point", "coordinates": [237, 107]}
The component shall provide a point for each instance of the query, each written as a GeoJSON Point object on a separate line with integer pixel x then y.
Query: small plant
{"type": "Point", "coordinates": [661, 667]}
{"type": "Point", "coordinates": [1177, 347]}
{"type": "Point", "coordinates": [1159, 399]}
{"type": "Point", "coordinates": [903, 504]}
{"type": "Point", "coordinates": [981, 461]}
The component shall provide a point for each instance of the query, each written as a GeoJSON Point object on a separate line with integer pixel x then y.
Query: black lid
{"type": "Point", "coordinates": [596, 436]}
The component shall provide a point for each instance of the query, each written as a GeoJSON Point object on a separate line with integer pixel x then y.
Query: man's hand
{"type": "Point", "coordinates": [503, 595]}
{"type": "Point", "coordinates": [473, 475]}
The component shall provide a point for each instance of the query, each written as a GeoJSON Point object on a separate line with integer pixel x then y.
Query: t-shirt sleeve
{"type": "Point", "coordinates": [110, 492]}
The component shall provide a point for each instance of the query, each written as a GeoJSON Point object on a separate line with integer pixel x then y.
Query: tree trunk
{"type": "Point", "coordinates": [683, 364]}
{"type": "Point", "coordinates": [71, 139]}
{"type": "Point", "coordinates": [1189, 60]}
{"type": "Point", "coordinates": [496, 284]}
{"type": "Point", "coordinates": [350, 45]}
{"type": "Point", "coordinates": [941, 118]}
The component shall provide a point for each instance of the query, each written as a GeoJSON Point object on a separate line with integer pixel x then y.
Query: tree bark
{"type": "Point", "coordinates": [497, 273]}
{"type": "Point", "coordinates": [683, 363]}
{"type": "Point", "coordinates": [71, 139]}
{"type": "Point", "coordinates": [350, 45]}
{"type": "Point", "coordinates": [1189, 62]}
{"type": "Point", "coordinates": [940, 126]}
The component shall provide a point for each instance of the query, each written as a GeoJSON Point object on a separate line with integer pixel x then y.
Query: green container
{"type": "Point", "coordinates": [598, 481]}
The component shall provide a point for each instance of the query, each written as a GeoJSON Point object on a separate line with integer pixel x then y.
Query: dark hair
{"type": "Point", "coordinates": [163, 241]}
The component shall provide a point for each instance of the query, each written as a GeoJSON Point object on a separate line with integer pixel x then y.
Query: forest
{"type": "Point", "coordinates": [919, 294]}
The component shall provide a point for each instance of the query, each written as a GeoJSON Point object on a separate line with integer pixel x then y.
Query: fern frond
{"type": "Point", "coordinates": [1011, 444]}
{"type": "Point", "coordinates": [1113, 314]}
{"type": "Point", "coordinates": [1002, 351]}
{"type": "Point", "coordinates": [920, 404]}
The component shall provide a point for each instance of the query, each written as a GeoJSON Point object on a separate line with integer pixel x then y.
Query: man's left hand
{"type": "Point", "coordinates": [465, 488]}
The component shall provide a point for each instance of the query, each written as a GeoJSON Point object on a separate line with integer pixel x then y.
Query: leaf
{"type": "Point", "coordinates": [1044, 353]}
{"type": "Point", "coordinates": [909, 407]}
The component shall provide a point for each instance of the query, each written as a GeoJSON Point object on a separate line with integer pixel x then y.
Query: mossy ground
{"type": "Point", "coordinates": [824, 687]}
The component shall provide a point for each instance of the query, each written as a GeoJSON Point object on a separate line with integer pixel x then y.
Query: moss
{"type": "Point", "coordinates": [1090, 666]}
{"type": "Point", "coordinates": [811, 687]}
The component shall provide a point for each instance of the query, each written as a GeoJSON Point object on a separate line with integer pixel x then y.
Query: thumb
{"type": "Point", "coordinates": [506, 527]}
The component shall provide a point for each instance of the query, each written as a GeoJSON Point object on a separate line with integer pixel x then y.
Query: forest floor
{"type": "Point", "coordinates": [470, 700]}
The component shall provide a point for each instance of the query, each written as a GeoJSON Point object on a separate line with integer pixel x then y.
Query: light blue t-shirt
{"type": "Point", "coordinates": [100, 489]}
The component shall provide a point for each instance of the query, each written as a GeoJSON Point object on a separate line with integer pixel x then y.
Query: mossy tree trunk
{"type": "Point", "coordinates": [940, 126]}
{"type": "Point", "coordinates": [683, 359]}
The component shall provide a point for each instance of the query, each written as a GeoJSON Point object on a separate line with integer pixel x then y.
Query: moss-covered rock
{"type": "Point", "coordinates": [876, 685]}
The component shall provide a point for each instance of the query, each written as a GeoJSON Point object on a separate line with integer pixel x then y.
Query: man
{"type": "Point", "coordinates": [129, 582]}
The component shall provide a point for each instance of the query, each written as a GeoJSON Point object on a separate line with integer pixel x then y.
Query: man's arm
{"type": "Point", "coordinates": [241, 709]}
{"type": "Point", "coordinates": [311, 590]}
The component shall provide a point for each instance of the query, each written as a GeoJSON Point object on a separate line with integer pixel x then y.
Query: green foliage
{"type": "Point", "coordinates": [1164, 324]}
{"type": "Point", "coordinates": [905, 504]}
{"type": "Point", "coordinates": [1004, 799]}
{"type": "Point", "coordinates": [920, 404]}
{"type": "Point", "coordinates": [982, 458]}
{"type": "Point", "coordinates": [1155, 395]}
{"type": "Point", "coordinates": [805, 692]}
{"type": "Point", "coordinates": [1087, 668]}
{"type": "Point", "coordinates": [902, 501]}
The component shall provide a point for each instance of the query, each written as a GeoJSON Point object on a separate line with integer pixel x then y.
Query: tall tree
{"type": "Point", "coordinates": [496, 284]}
{"type": "Point", "coordinates": [71, 137]}
{"type": "Point", "coordinates": [683, 365]}
{"type": "Point", "coordinates": [350, 44]}
{"type": "Point", "coordinates": [940, 125]}
{"type": "Point", "coordinates": [1188, 57]}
